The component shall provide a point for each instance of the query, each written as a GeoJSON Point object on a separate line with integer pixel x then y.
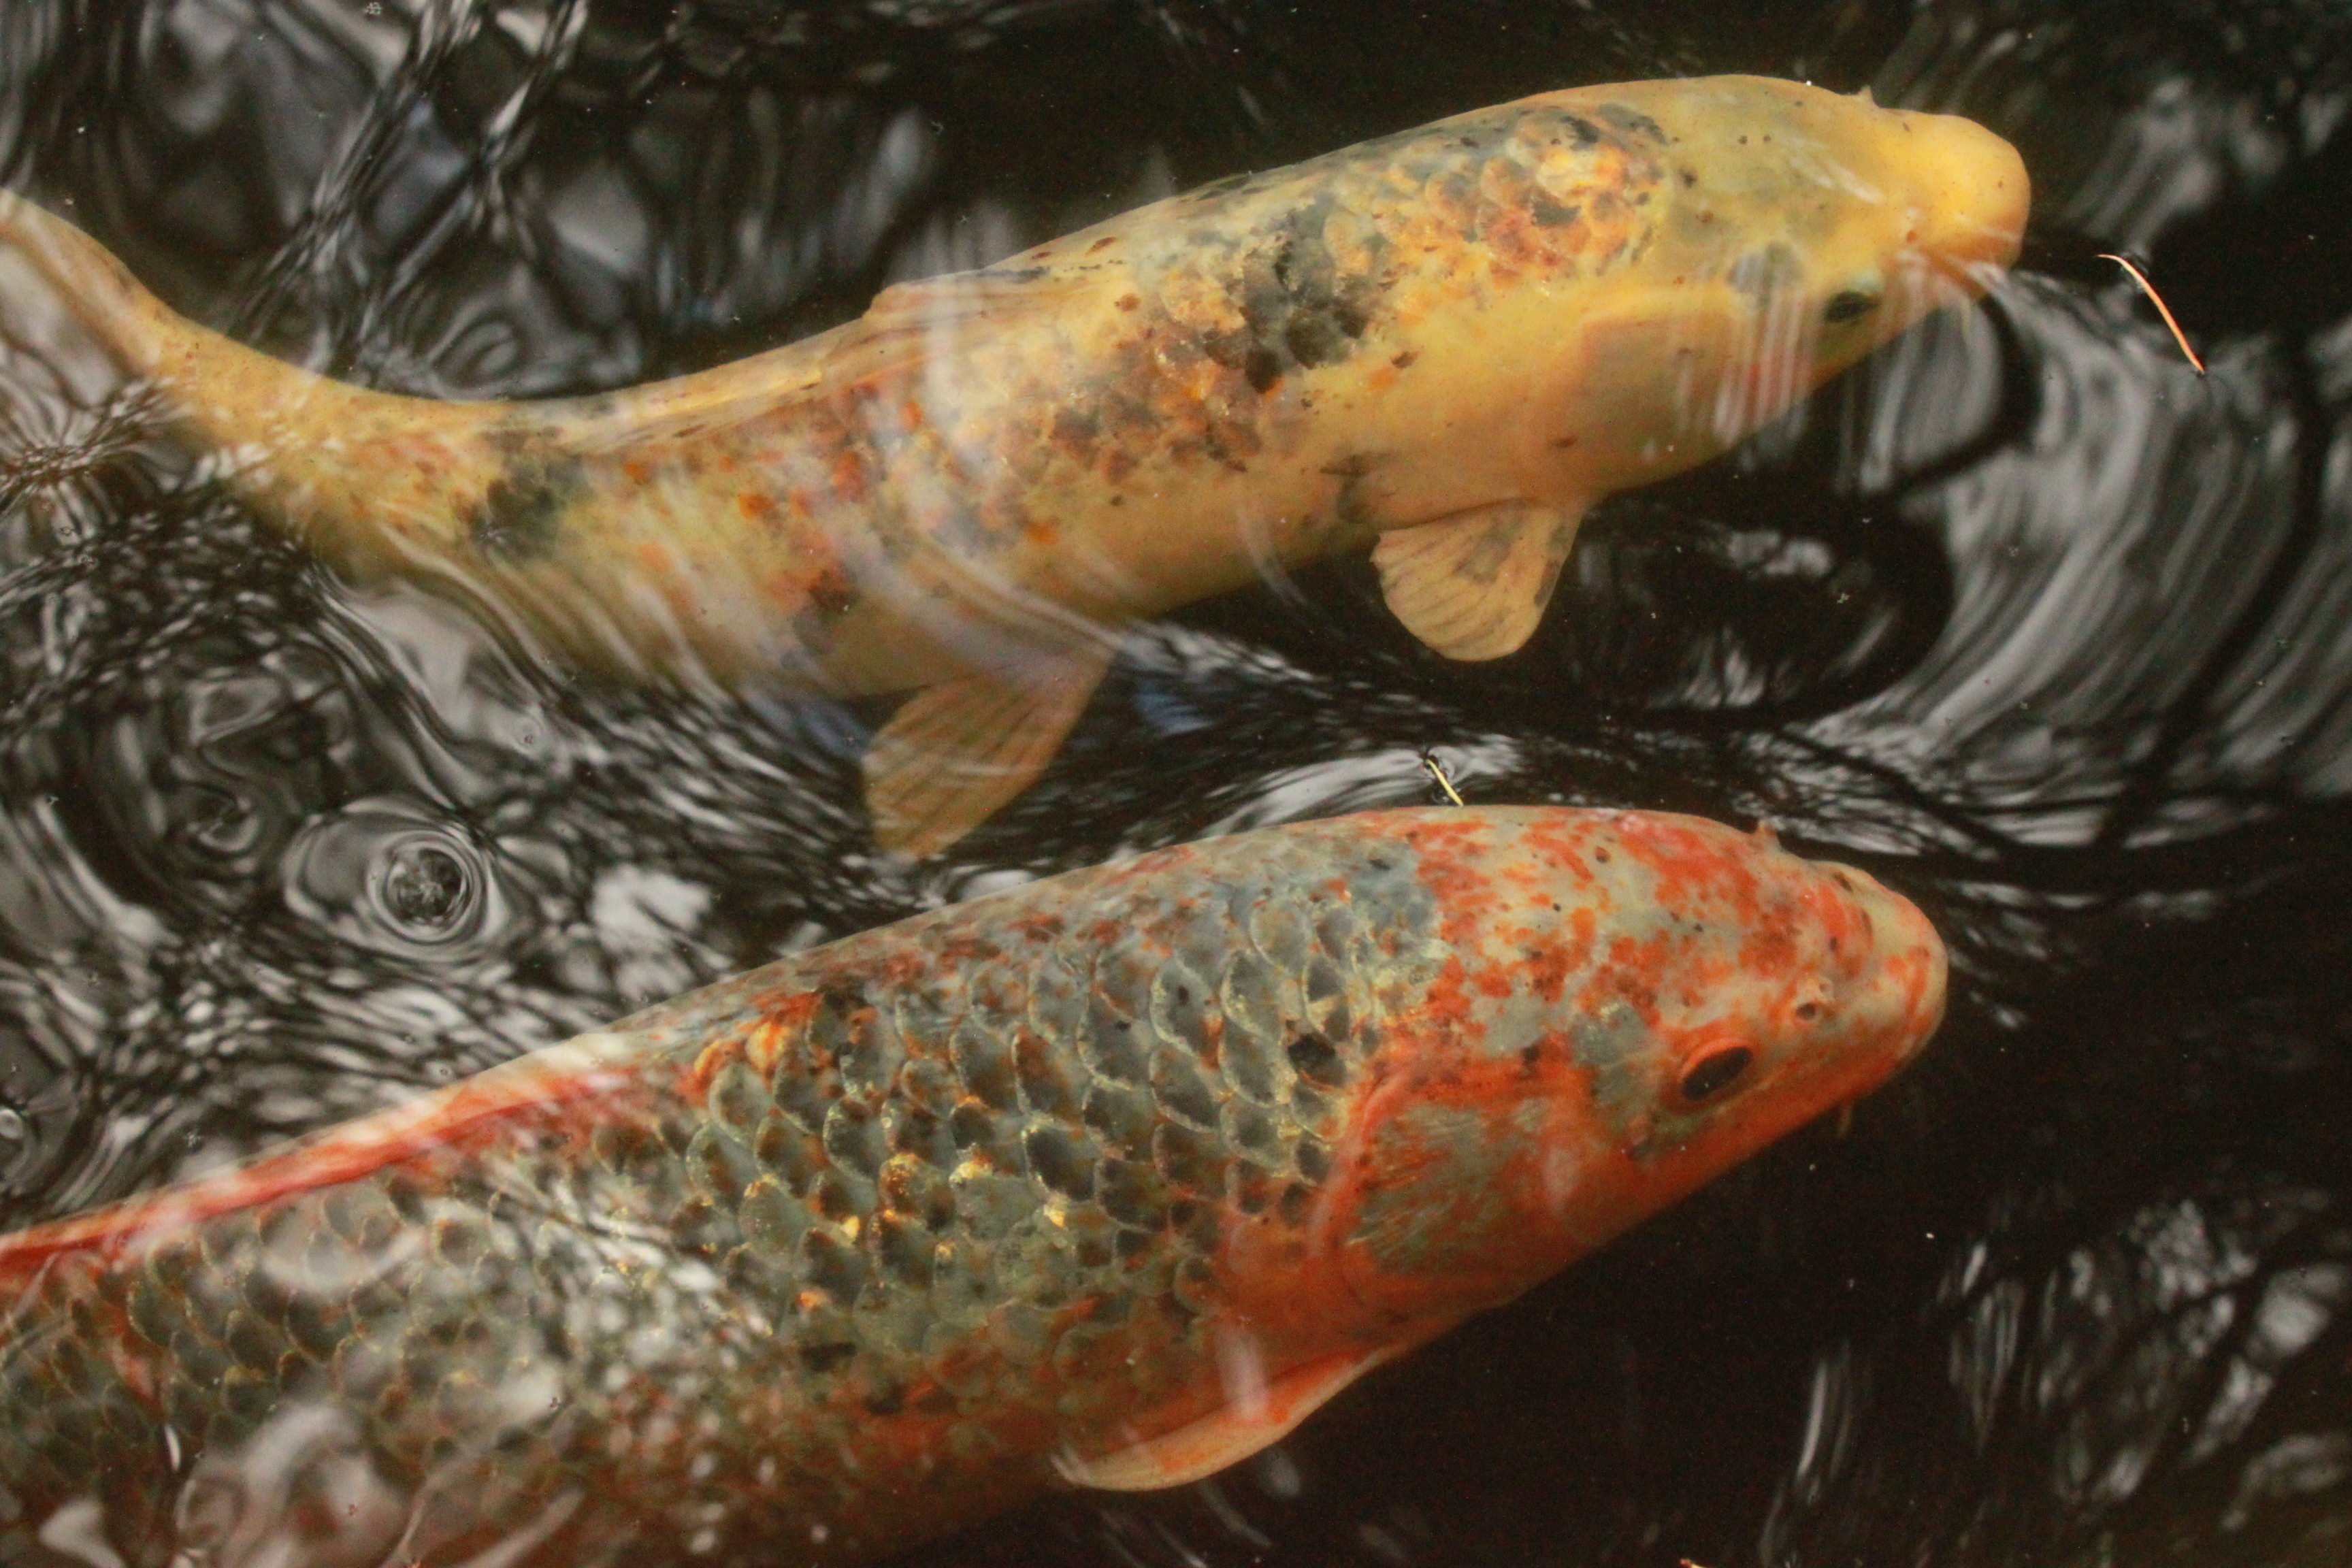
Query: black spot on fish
{"type": "Point", "coordinates": [521, 516]}
{"type": "Point", "coordinates": [1320, 339]}
{"type": "Point", "coordinates": [826, 1360]}
{"type": "Point", "coordinates": [1587, 134]}
{"type": "Point", "coordinates": [1261, 366]}
{"type": "Point", "coordinates": [1633, 122]}
{"type": "Point", "coordinates": [1299, 308]}
{"type": "Point", "coordinates": [1553, 213]}
{"type": "Point", "coordinates": [1075, 431]}
{"type": "Point", "coordinates": [1317, 1060]}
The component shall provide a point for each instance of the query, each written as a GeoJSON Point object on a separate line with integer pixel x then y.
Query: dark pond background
{"type": "Point", "coordinates": [2025, 616]}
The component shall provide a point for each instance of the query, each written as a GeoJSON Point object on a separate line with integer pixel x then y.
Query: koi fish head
{"type": "Point", "coordinates": [1632, 1004]}
{"type": "Point", "coordinates": [1790, 231]}
{"type": "Point", "coordinates": [1852, 221]}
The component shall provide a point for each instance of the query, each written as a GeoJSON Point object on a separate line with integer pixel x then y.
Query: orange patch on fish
{"type": "Point", "coordinates": [1118, 1175]}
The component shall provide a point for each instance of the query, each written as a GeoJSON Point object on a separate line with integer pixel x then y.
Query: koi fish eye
{"type": "Point", "coordinates": [1849, 305]}
{"type": "Point", "coordinates": [1714, 1070]}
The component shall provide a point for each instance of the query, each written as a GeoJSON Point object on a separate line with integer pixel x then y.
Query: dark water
{"type": "Point", "coordinates": [2025, 617]}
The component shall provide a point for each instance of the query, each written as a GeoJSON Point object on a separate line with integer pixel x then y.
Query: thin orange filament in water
{"type": "Point", "coordinates": [2161, 308]}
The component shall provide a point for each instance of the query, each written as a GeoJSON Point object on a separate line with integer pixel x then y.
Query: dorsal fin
{"type": "Point", "coordinates": [1475, 585]}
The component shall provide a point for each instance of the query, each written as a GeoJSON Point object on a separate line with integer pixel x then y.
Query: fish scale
{"type": "Point", "coordinates": [873, 1239]}
{"type": "Point", "coordinates": [876, 1215]}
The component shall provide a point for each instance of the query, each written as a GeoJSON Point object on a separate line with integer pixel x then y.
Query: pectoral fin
{"type": "Point", "coordinates": [955, 752]}
{"type": "Point", "coordinates": [1474, 586]}
{"type": "Point", "coordinates": [1231, 1434]}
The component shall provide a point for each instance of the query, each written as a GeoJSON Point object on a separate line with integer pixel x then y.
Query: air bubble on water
{"type": "Point", "coordinates": [426, 885]}
{"type": "Point", "coordinates": [14, 1130]}
{"type": "Point", "coordinates": [391, 875]}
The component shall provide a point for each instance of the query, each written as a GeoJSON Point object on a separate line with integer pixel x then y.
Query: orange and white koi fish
{"type": "Point", "coordinates": [1448, 343]}
{"type": "Point", "coordinates": [1110, 1180]}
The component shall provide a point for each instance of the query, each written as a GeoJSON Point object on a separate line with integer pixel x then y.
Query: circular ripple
{"type": "Point", "coordinates": [386, 876]}
{"type": "Point", "coordinates": [424, 884]}
{"type": "Point", "coordinates": [41, 1116]}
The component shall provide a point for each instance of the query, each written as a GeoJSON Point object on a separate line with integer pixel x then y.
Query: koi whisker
{"type": "Point", "coordinates": [1437, 771]}
{"type": "Point", "coordinates": [2162, 309]}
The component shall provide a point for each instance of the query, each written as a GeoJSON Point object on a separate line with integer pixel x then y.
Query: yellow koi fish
{"type": "Point", "coordinates": [1447, 344]}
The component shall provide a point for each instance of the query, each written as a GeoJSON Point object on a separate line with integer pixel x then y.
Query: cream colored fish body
{"type": "Point", "coordinates": [1451, 341]}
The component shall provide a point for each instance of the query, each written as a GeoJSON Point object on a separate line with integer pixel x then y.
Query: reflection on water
{"type": "Point", "coordinates": [2025, 616]}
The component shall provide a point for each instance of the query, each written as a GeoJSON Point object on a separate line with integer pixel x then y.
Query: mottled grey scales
{"type": "Point", "coordinates": [861, 1181]}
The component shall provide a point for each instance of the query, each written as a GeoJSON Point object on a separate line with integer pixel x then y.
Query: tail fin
{"type": "Point", "coordinates": [139, 329]}
{"type": "Point", "coordinates": [368, 474]}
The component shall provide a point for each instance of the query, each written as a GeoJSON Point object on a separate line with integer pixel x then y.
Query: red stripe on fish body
{"type": "Point", "coordinates": [1123, 1171]}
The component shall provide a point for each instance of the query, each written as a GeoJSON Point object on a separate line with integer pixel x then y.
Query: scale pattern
{"type": "Point", "coordinates": [865, 1220]}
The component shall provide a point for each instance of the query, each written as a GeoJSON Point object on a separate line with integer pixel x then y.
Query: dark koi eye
{"type": "Point", "coordinates": [1711, 1072]}
{"type": "Point", "coordinates": [1849, 305]}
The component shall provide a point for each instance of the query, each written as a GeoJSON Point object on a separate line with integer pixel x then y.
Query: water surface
{"type": "Point", "coordinates": [2025, 617]}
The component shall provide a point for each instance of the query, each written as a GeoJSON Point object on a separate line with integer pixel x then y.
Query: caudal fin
{"type": "Point", "coordinates": [136, 328]}
{"type": "Point", "coordinates": [361, 474]}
